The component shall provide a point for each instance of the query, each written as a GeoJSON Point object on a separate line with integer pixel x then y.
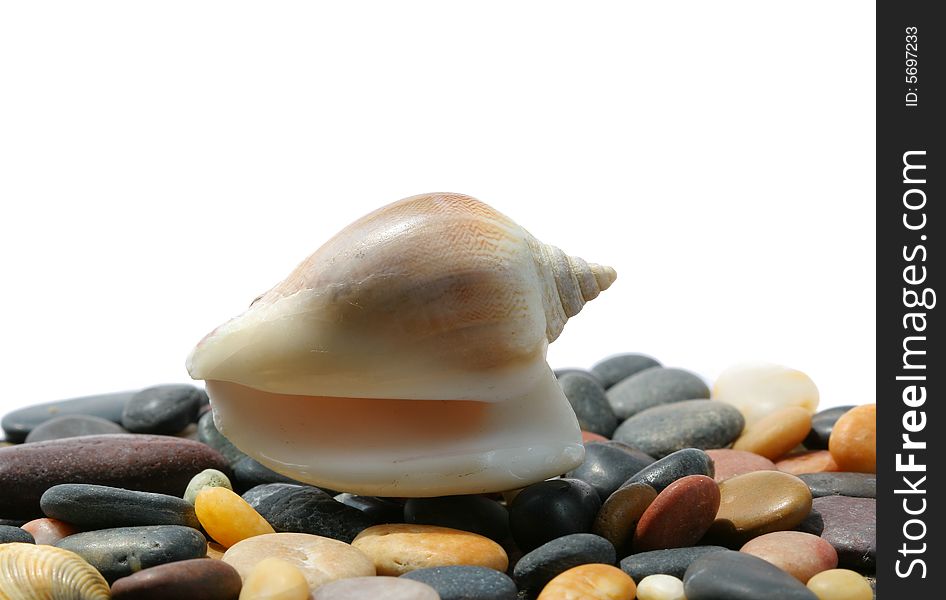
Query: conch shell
{"type": "Point", "coordinates": [32, 572]}
{"type": "Point", "coordinates": [406, 356]}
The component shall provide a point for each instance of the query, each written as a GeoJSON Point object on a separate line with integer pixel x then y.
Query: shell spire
{"type": "Point", "coordinates": [575, 281]}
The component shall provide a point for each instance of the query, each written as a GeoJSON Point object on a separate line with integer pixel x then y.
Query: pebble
{"type": "Point", "coordinates": [590, 436]}
{"type": "Point", "coordinates": [729, 463]}
{"type": "Point", "coordinates": [249, 473]}
{"type": "Point", "coordinates": [463, 583]}
{"type": "Point", "coordinates": [812, 524]}
{"type": "Point", "coordinates": [679, 516]}
{"type": "Point", "coordinates": [19, 423]}
{"type": "Point", "coordinates": [121, 551]}
{"type": "Point", "coordinates": [194, 579]}
{"type": "Point", "coordinates": [12, 522]}
{"type": "Point", "coordinates": [306, 509]}
{"type": "Point", "coordinates": [620, 513]}
{"type": "Point", "coordinates": [662, 430]}
{"type": "Point", "coordinates": [759, 389]}
{"type": "Point", "coordinates": [850, 525]}
{"type": "Point", "coordinates": [72, 426]}
{"type": "Point", "coordinates": [49, 531]}
{"type": "Point", "coordinates": [9, 533]}
{"type": "Point", "coordinates": [205, 479]}
{"type": "Point", "coordinates": [821, 425]}
{"type": "Point", "coordinates": [550, 509]}
{"type": "Point", "coordinates": [607, 465]}
{"type": "Point", "coordinates": [228, 518]}
{"type": "Point", "coordinates": [148, 463]}
{"type": "Point", "coordinates": [535, 569]}
{"type": "Point", "coordinates": [660, 474]}
{"type": "Point", "coordinates": [379, 510]}
{"type": "Point", "coordinates": [840, 584]}
{"type": "Point", "coordinates": [162, 409]}
{"type": "Point", "coordinates": [801, 555]}
{"type": "Point", "coordinates": [740, 576]}
{"type": "Point", "coordinates": [775, 434]}
{"type": "Point", "coordinates": [320, 559]}
{"type": "Point", "coordinates": [660, 587]}
{"type": "Point", "coordinates": [98, 507]}
{"type": "Point", "coordinates": [590, 582]}
{"type": "Point", "coordinates": [590, 403]}
{"type": "Point", "coordinates": [275, 579]}
{"type": "Point", "coordinates": [207, 433]}
{"type": "Point", "coordinates": [372, 588]}
{"type": "Point", "coordinates": [674, 561]}
{"type": "Point", "coordinates": [813, 461]}
{"type": "Point", "coordinates": [757, 503]}
{"type": "Point", "coordinates": [259, 493]}
{"type": "Point", "coordinates": [858, 485]}
{"type": "Point", "coordinates": [469, 513]}
{"type": "Point", "coordinates": [619, 367]}
{"type": "Point", "coordinates": [400, 548]}
{"type": "Point", "coordinates": [853, 442]}
{"type": "Point", "coordinates": [653, 387]}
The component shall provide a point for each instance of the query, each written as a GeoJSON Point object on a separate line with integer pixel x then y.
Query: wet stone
{"type": "Point", "coordinates": [850, 525]}
{"type": "Point", "coordinates": [620, 513]}
{"type": "Point", "coordinates": [147, 463]}
{"type": "Point", "coordinates": [379, 510]}
{"type": "Point", "coordinates": [618, 368]}
{"type": "Point", "coordinates": [679, 516]}
{"type": "Point", "coordinates": [660, 474]}
{"type": "Point", "coordinates": [662, 430]}
{"type": "Point", "coordinates": [306, 509]}
{"type": "Point", "coordinates": [607, 465]}
{"type": "Point", "coordinates": [858, 485]}
{"type": "Point", "coordinates": [729, 463]}
{"type": "Point", "coordinates": [9, 533]}
{"type": "Point", "coordinates": [400, 548]}
{"type": "Point", "coordinates": [590, 403]}
{"type": "Point", "coordinates": [535, 569]}
{"type": "Point", "coordinates": [654, 387]}
{"type": "Point", "coordinates": [821, 425]}
{"type": "Point", "coordinates": [469, 513]}
{"type": "Point", "coordinates": [207, 433]}
{"type": "Point", "coordinates": [551, 509]}
{"type": "Point", "coordinates": [740, 576]}
{"type": "Point", "coordinates": [369, 588]}
{"type": "Point", "coordinates": [462, 583]}
{"type": "Point", "coordinates": [664, 562]}
{"type": "Point", "coordinates": [801, 555]}
{"type": "Point", "coordinates": [162, 409]}
{"type": "Point", "coordinates": [194, 579]}
{"type": "Point", "coordinates": [98, 507]}
{"type": "Point", "coordinates": [590, 582]}
{"type": "Point", "coordinates": [49, 531]}
{"type": "Point", "coordinates": [121, 551]}
{"type": "Point", "coordinates": [813, 461]}
{"type": "Point", "coordinates": [72, 426]}
{"type": "Point", "coordinates": [19, 423]}
{"type": "Point", "coordinates": [757, 503]}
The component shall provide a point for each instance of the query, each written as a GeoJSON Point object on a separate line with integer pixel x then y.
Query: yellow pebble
{"type": "Point", "coordinates": [775, 434]}
{"type": "Point", "coordinates": [275, 579]}
{"type": "Point", "coordinates": [590, 582]}
{"type": "Point", "coordinates": [840, 584]}
{"type": "Point", "coordinates": [227, 517]}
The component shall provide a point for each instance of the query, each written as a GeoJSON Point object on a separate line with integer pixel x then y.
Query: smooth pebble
{"type": "Point", "coordinates": [18, 424]}
{"type": "Point", "coordinates": [850, 525]}
{"type": "Point", "coordinates": [590, 403]}
{"type": "Point", "coordinates": [729, 463]}
{"type": "Point", "coordinates": [208, 433]}
{"type": "Point", "coordinates": [464, 583]}
{"type": "Point", "coordinates": [275, 579]}
{"type": "Point", "coordinates": [607, 465]}
{"type": "Point", "coordinates": [162, 409]}
{"type": "Point", "coordinates": [9, 533]}
{"type": "Point", "coordinates": [396, 549]}
{"type": "Point", "coordinates": [739, 576]}
{"type": "Point", "coordinates": [660, 587]}
{"type": "Point", "coordinates": [679, 516]}
{"type": "Point", "coordinates": [228, 518]}
{"type": "Point", "coordinates": [812, 461]}
{"type": "Point", "coordinates": [379, 510]}
{"type": "Point", "coordinates": [858, 485]}
{"type": "Point", "coordinates": [535, 569]}
{"type": "Point", "coordinates": [665, 429]}
{"type": "Point", "coordinates": [307, 509]}
{"type": "Point", "coordinates": [590, 582]}
{"type": "Point", "coordinates": [550, 509]}
{"type": "Point", "coordinates": [91, 506]}
{"type": "Point", "coordinates": [775, 434]}
{"type": "Point", "coordinates": [620, 513]}
{"type": "Point", "coordinates": [674, 561]}
{"type": "Point", "coordinates": [853, 442]}
{"type": "Point", "coordinates": [759, 389]}
{"type": "Point", "coordinates": [478, 514]}
{"type": "Point", "coordinates": [840, 584]}
{"type": "Point", "coordinates": [660, 474]}
{"type": "Point", "coordinates": [194, 579]}
{"type": "Point", "coordinates": [49, 531]}
{"type": "Point", "coordinates": [653, 387]}
{"type": "Point", "coordinates": [372, 588]}
{"type": "Point", "coordinates": [821, 425]}
{"type": "Point", "coordinates": [617, 368]}
{"type": "Point", "coordinates": [801, 555]}
{"type": "Point", "coordinates": [72, 426]}
{"type": "Point", "coordinates": [757, 503]}
{"type": "Point", "coordinates": [205, 479]}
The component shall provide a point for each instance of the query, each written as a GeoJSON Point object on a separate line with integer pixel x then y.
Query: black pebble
{"type": "Point", "coordinates": [608, 465]}
{"type": "Point", "coordinates": [466, 583]}
{"type": "Point", "coordinates": [821, 425]}
{"type": "Point", "coordinates": [162, 409]}
{"type": "Point", "coordinates": [207, 433]}
{"type": "Point", "coordinates": [538, 567]}
{"type": "Point", "coordinates": [739, 576]}
{"type": "Point", "coordinates": [248, 473]}
{"type": "Point", "coordinates": [667, 562]}
{"type": "Point", "coordinates": [617, 368]}
{"type": "Point", "coordinates": [468, 513]}
{"type": "Point", "coordinates": [379, 510]}
{"type": "Point", "coordinates": [550, 509]}
{"type": "Point", "coordinates": [99, 506]}
{"type": "Point", "coordinates": [858, 485]}
{"type": "Point", "coordinates": [689, 461]}
{"type": "Point", "coordinates": [306, 509]}
{"type": "Point", "coordinates": [590, 403]}
{"type": "Point", "coordinates": [9, 533]}
{"type": "Point", "coordinates": [72, 426]}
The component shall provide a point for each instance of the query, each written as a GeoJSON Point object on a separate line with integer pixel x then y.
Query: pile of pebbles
{"type": "Point", "coordinates": [739, 492]}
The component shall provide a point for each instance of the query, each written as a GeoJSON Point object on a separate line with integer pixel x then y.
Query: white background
{"type": "Point", "coordinates": [163, 163]}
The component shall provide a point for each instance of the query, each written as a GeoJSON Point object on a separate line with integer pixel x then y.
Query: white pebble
{"type": "Point", "coordinates": [759, 389]}
{"type": "Point", "coordinates": [660, 587]}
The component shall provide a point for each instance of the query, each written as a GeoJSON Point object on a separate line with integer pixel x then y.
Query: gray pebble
{"type": "Point", "coordinates": [473, 513]}
{"type": "Point", "coordinates": [590, 403]}
{"type": "Point", "coordinates": [661, 430]}
{"type": "Point", "coordinates": [821, 425]}
{"type": "Point", "coordinates": [72, 426]}
{"type": "Point", "coordinates": [653, 387]}
{"type": "Point", "coordinates": [19, 423]}
{"type": "Point", "coordinates": [850, 525]}
{"type": "Point", "coordinates": [740, 576]}
{"type": "Point", "coordinates": [618, 368]}
{"type": "Point", "coordinates": [466, 583]}
{"type": "Point", "coordinates": [99, 506]}
{"type": "Point", "coordinates": [306, 509]}
{"type": "Point", "coordinates": [858, 485]}
{"type": "Point", "coordinates": [607, 465]}
{"type": "Point", "coordinates": [660, 474]}
{"type": "Point", "coordinates": [540, 566]}
{"type": "Point", "coordinates": [665, 562]}
{"type": "Point", "coordinates": [162, 409]}
{"type": "Point", "coordinates": [9, 533]}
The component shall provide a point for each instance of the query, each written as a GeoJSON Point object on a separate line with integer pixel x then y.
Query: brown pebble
{"type": "Point", "coordinates": [195, 579]}
{"type": "Point", "coordinates": [679, 516]}
{"type": "Point", "coordinates": [49, 531]}
{"type": "Point", "coordinates": [801, 555]}
{"type": "Point", "coordinates": [620, 513]}
{"type": "Point", "coordinates": [853, 441]}
{"type": "Point", "coordinates": [815, 461]}
{"type": "Point", "coordinates": [590, 582]}
{"type": "Point", "coordinates": [757, 503]}
{"type": "Point", "coordinates": [729, 463]}
{"type": "Point", "coordinates": [776, 434]}
{"type": "Point", "coordinates": [400, 548]}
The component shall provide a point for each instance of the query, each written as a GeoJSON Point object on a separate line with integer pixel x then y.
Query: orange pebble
{"type": "Point", "coordinates": [853, 441]}
{"type": "Point", "coordinates": [815, 461]}
{"type": "Point", "coordinates": [49, 531]}
{"type": "Point", "coordinates": [590, 582]}
{"type": "Point", "coordinates": [227, 517]}
{"type": "Point", "coordinates": [776, 434]}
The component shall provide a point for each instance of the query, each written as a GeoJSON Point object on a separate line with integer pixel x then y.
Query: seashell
{"type": "Point", "coordinates": [31, 572]}
{"type": "Point", "coordinates": [406, 356]}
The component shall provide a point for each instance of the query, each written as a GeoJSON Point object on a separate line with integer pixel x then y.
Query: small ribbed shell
{"type": "Point", "coordinates": [32, 572]}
